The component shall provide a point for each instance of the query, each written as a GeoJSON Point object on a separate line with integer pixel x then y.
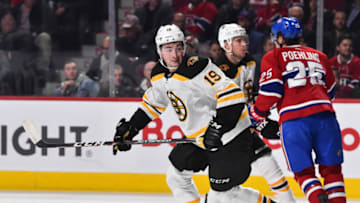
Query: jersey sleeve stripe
{"type": "Point", "coordinates": [272, 81]}
{"type": "Point", "coordinates": [236, 96]}
{"type": "Point", "coordinates": [231, 85]}
{"type": "Point", "coordinates": [157, 77]}
{"type": "Point", "coordinates": [153, 108]}
{"type": "Point", "coordinates": [197, 133]}
{"type": "Point", "coordinates": [303, 105]}
{"type": "Point", "coordinates": [228, 92]}
{"type": "Point", "coordinates": [272, 88]}
{"type": "Point", "coordinates": [161, 109]}
{"type": "Point", "coordinates": [152, 114]}
{"type": "Point", "coordinates": [332, 91]}
{"type": "Point", "coordinates": [270, 94]}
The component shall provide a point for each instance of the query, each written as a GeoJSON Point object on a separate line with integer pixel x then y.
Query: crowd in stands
{"type": "Point", "coordinates": [41, 39]}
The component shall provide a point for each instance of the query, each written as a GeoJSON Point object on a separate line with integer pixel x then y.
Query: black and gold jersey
{"type": "Point", "coordinates": [242, 73]}
{"type": "Point", "coordinates": [196, 90]}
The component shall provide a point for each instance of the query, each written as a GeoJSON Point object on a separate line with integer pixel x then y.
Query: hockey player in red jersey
{"type": "Point", "coordinates": [239, 65]}
{"type": "Point", "coordinates": [210, 106]}
{"type": "Point", "coordinates": [300, 82]}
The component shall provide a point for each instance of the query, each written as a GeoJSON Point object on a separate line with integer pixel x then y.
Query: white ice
{"type": "Point", "coordinates": [81, 197]}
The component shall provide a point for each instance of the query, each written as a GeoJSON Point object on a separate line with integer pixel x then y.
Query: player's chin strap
{"type": "Point", "coordinates": [171, 69]}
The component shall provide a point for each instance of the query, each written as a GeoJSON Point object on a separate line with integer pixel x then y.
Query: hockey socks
{"type": "Point", "coordinates": [333, 183]}
{"type": "Point", "coordinates": [310, 184]}
{"type": "Point", "coordinates": [271, 171]}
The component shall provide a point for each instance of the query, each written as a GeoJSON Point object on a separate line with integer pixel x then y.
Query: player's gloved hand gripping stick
{"type": "Point", "coordinates": [268, 128]}
{"type": "Point", "coordinates": [36, 139]}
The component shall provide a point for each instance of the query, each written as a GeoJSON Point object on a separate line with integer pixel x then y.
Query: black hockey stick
{"type": "Point", "coordinates": [35, 138]}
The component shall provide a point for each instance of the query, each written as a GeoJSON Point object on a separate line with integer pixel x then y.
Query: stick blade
{"type": "Point", "coordinates": [31, 131]}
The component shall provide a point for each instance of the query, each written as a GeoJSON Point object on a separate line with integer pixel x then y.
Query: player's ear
{"type": "Point", "coordinates": [227, 45]}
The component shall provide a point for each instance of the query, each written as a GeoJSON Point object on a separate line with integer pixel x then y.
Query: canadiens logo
{"type": "Point", "coordinates": [192, 60]}
{"type": "Point", "coordinates": [178, 105]}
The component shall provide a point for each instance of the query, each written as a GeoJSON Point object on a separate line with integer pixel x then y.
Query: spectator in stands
{"type": "Point", "coordinates": [347, 65]}
{"type": "Point", "coordinates": [136, 45]}
{"type": "Point", "coordinates": [192, 45]}
{"type": "Point", "coordinates": [12, 38]}
{"type": "Point", "coordinates": [266, 16]}
{"type": "Point", "coordinates": [199, 18]}
{"type": "Point", "coordinates": [331, 37]}
{"type": "Point", "coordinates": [146, 81]}
{"type": "Point", "coordinates": [228, 13]}
{"type": "Point", "coordinates": [70, 19]}
{"type": "Point", "coordinates": [124, 85]}
{"type": "Point", "coordinates": [76, 84]}
{"type": "Point", "coordinates": [352, 8]}
{"type": "Point", "coordinates": [153, 14]}
{"type": "Point", "coordinates": [35, 17]}
{"type": "Point", "coordinates": [245, 20]}
{"type": "Point", "coordinates": [179, 20]}
{"type": "Point", "coordinates": [19, 75]}
{"type": "Point", "coordinates": [311, 21]}
{"type": "Point", "coordinates": [215, 51]}
{"type": "Point", "coordinates": [309, 35]}
{"type": "Point", "coordinates": [99, 69]}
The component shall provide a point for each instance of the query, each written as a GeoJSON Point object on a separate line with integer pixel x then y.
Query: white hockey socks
{"type": "Point", "coordinates": [182, 185]}
{"type": "Point", "coordinates": [237, 194]}
{"type": "Point", "coordinates": [270, 170]}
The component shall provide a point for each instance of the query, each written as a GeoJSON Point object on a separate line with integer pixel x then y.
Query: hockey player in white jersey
{"type": "Point", "coordinates": [208, 105]}
{"type": "Point", "coordinates": [239, 65]}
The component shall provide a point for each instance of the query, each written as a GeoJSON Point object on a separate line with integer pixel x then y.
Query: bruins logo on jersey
{"type": "Point", "coordinates": [192, 60]}
{"type": "Point", "coordinates": [248, 89]}
{"type": "Point", "coordinates": [178, 105]}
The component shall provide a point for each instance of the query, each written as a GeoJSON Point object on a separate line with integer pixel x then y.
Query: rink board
{"type": "Point", "coordinates": [25, 167]}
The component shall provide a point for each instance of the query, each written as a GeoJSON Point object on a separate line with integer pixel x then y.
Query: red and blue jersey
{"type": "Point", "coordinates": [298, 80]}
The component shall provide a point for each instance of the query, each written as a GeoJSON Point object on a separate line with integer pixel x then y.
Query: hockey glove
{"type": "Point", "coordinates": [269, 129]}
{"type": "Point", "coordinates": [212, 137]}
{"type": "Point", "coordinates": [124, 131]}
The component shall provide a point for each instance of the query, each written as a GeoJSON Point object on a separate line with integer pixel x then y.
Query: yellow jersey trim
{"type": "Point", "coordinates": [157, 77]}
{"type": "Point", "coordinates": [231, 85]}
{"type": "Point", "coordinates": [153, 113]}
{"type": "Point", "coordinates": [197, 133]}
{"type": "Point", "coordinates": [231, 97]}
{"type": "Point", "coordinates": [180, 77]}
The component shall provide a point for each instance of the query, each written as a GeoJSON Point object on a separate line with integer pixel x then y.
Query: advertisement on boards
{"type": "Point", "coordinates": [87, 121]}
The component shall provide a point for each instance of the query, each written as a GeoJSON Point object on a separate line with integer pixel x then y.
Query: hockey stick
{"type": "Point", "coordinates": [35, 138]}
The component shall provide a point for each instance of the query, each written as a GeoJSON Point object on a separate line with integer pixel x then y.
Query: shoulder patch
{"type": "Point", "coordinates": [192, 60]}
{"type": "Point", "coordinates": [192, 66]}
{"type": "Point", "coordinates": [224, 67]}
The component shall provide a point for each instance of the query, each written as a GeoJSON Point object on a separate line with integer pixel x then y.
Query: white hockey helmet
{"type": "Point", "coordinates": [227, 32]}
{"type": "Point", "coordinates": [168, 34]}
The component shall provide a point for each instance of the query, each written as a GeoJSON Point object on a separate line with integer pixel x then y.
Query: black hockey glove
{"type": "Point", "coordinates": [124, 131]}
{"type": "Point", "coordinates": [269, 129]}
{"type": "Point", "coordinates": [212, 137]}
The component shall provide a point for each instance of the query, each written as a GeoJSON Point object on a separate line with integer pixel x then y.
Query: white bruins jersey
{"type": "Point", "coordinates": [195, 91]}
{"type": "Point", "coordinates": [242, 74]}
